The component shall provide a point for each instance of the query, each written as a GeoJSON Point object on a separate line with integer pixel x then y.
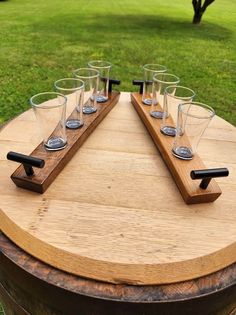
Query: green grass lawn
{"type": "Point", "coordinates": [42, 41]}
{"type": "Point", "coordinates": [1, 310]}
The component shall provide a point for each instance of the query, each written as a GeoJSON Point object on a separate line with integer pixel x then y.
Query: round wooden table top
{"type": "Point", "coordinates": [114, 213]}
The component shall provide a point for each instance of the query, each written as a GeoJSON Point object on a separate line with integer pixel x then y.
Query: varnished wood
{"type": "Point", "coordinates": [42, 289]}
{"type": "Point", "coordinates": [179, 169]}
{"type": "Point", "coordinates": [114, 213]}
{"type": "Point", "coordinates": [56, 160]}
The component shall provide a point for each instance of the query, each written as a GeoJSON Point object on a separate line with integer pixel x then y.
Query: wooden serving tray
{"type": "Point", "coordinates": [56, 160]}
{"type": "Point", "coordinates": [180, 169]}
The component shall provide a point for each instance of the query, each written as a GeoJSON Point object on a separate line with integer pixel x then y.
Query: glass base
{"type": "Point", "coordinates": [168, 131]}
{"type": "Point", "coordinates": [183, 153]}
{"type": "Point", "coordinates": [102, 99]}
{"type": "Point", "coordinates": [54, 144]}
{"type": "Point", "coordinates": [74, 124]}
{"type": "Point", "coordinates": [89, 110]}
{"type": "Point", "coordinates": [157, 114]}
{"type": "Point", "coordinates": [147, 101]}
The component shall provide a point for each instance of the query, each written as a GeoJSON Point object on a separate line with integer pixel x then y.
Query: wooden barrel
{"type": "Point", "coordinates": [112, 234]}
{"type": "Point", "coordinates": [29, 286]}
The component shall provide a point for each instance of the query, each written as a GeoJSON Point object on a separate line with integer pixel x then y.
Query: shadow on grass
{"type": "Point", "coordinates": [101, 27]}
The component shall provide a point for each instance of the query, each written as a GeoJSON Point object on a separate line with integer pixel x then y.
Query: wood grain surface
{"type": "Point", "coordinates": [114, 213]}
{"type": "Point", "coordinates": [180, 169]}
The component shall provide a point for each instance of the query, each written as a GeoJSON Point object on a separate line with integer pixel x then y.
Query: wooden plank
{"type": "Point", "coordinates": [180, 169]}
{"type": "Point", "coordinates": [56, 160]}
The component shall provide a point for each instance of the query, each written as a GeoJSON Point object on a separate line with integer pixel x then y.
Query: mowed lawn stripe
{"type": "Point", "coordinates": [42, 41]}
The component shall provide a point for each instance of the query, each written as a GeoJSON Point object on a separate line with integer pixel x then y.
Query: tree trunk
{"type": "Point", "coordinates": [199, 9]}
{"type": "Point", "coordinates": [197, 17]}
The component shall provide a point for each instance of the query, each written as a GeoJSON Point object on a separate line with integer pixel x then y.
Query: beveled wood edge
{"type": "Point", "coordinates": [233, 312]}
{"type": "Point", "coordinates": [181, 291]}
{"type": "Point", "coordinates": [134, 274]}
{"type": "Point", "coordinates": [18, 116]}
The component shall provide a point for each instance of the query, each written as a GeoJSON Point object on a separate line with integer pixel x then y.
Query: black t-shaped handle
{"type": "Point", "coordinates": [140, 83]}
{"type": "Point", "coordinates": [111, 83]}
{"type": "Point", "coordinates": [208, 174]}
{"type": "Point", "coordinates": [27, 161]}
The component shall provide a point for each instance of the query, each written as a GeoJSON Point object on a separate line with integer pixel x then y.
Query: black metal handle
{"type": "Point", "coordinates": [208, 174]}
{"type": "Point", "coordinates": [140, 83]}
{"type": "Point", "coordinates": [27, 161]}
{"type": "Point", "coordinates": [111, 82]}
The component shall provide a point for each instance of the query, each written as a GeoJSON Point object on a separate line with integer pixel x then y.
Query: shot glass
{"type": "Point", "coordinates": [173, 96]}
{"type": "Point", "coordinates": [50, 111]}
{"type": "Point", "coordinates": [160, 82]}
{"type": "Point", "coordinates": [149, 71]}
{"type": "Point", "coordinates": [103, 67]}
{"type": "Point", "coordinates": [193, 119]}
{"type": "Point", "coordinates": [90, 78]}
{"type": "Point", "coordinates": [73, 89]}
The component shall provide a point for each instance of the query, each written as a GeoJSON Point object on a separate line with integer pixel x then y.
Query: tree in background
{"type": "Point", "coordinates": [199, 9]}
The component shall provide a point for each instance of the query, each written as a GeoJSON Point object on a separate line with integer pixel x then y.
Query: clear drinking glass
{"type": "Point", "coordinates": [50, 111]}
{"type": "Point", "coordinates": [173, 96]}
{"type": "Point", "coordinates": [74, 91]}
{"type": "Point", "coordinates": [90, 78]}
{"type": "Point", "coordinates": [193, 119]}
{"type": "Point", "coordinates": [149, 71]}
{"type": "Point", "coordinates": [160, 82]}
{"type": "Point", "coordinates": [103, 67]}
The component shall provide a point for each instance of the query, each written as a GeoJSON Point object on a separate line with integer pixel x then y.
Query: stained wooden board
{"type": "Point", "coordinates": [56, 160]}
{"type": "Point", "coordinates": [114, 212]}
{"type": "Point", "coordinates": [180, 169]}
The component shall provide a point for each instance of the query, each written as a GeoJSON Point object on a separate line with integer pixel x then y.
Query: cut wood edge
{"type": "Point", "coordinates": [117, 273]}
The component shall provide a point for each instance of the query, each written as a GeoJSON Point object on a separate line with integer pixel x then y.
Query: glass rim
{"type": "Point", "coordinates": [169, 75]}
{"type": "Point", "coordinates": [182, 87]}
{"type": "Point", "coordinates": [149, 65]}
{"type": "Point", "coordinates": [69, 89]}
{"type": "Point", "coordinates": [33, 104]}
{"type": "Point", "coordinates": [88, 76]}
{"type": "Point", "coordinates": [100, 67]}
{"type": "Point", "coordinates": [211, 111]}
